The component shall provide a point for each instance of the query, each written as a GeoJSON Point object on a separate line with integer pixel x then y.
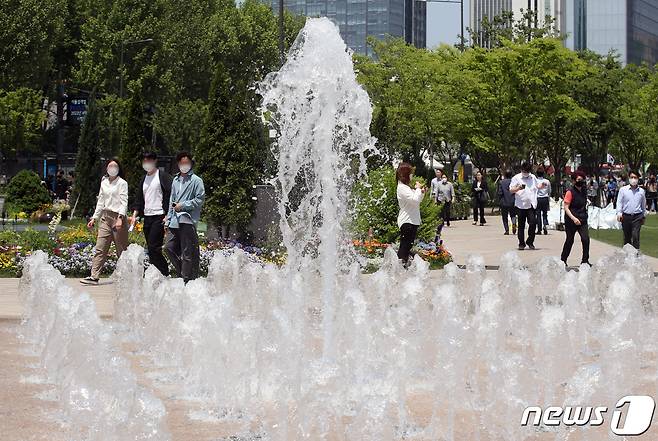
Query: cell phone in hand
{"type": "Point", "coordinates": [522, 186]}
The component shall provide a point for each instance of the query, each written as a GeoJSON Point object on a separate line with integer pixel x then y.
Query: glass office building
{"type": "Point", "coordinates": [627, 27]}
{"type": "Point", "coordinates": [359, 19]}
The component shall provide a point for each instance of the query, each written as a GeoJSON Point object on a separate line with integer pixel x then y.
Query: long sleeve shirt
{"type": "Point", "coordinates": [444, 192]}
{"type": "Point", "coordinates": [188, 191]}
{"type": "Point", "coordinates": [112, 196]}
{"type": "Point", "coordinates": [409, 201]}
{"type": "Point", "coordinates": [631, 200]}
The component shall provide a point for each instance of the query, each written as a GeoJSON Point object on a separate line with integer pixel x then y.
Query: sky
{"type": "Point", "coordinates": [443, 23]}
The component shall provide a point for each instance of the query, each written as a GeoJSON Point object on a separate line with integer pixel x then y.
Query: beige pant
{"type": "Point", "coordinates": [106, 235]}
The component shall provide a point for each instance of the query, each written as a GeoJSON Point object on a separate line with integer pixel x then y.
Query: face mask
{"type": "Point", "coordinates": [444, 180]}
{"type": "Point", "coordinates": [113, 171]}
{"type": "Point", "coordinates": [580, 184]}
{"type": "Point", "coordinates": [148, 166]}
{"type": "Point", "coordinates": [633, 182]}
{"type": "Point", "coordinates": [525, 175]}
{"type": "Point", "coordinates": [184, 168]}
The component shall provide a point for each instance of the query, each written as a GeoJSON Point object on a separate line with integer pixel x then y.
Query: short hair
{"type": "Point", "coordinates": [403, 173]}
{"type": "Point", "coordinates": [150, 155]}
{"type": "Point", "coordinates": [182, 155]}
{"type": "Point", "coordinates": [526, 167]}
{"type": "Point", "coordinates": [633, 172]}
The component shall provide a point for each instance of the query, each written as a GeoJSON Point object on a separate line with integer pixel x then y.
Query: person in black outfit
{"type": "Point", "coordinates": [61, 186]}
{"type": "Point", "coordinates": [152, 202]}
{"type": "Point", "coordinates": [575, 219]}
{"type": "Point", "coordinates": [480, 192]}
{"type": "Point", "coordinates": [506, 202]}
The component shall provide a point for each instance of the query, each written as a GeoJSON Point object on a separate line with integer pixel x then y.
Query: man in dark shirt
{"type": "Point", "coordinates": [506, 202]}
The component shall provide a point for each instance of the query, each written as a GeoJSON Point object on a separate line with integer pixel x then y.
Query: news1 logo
{"type": "Point", "coordinates": [636, 419]}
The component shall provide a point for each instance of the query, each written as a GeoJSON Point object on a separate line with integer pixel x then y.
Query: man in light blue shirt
{"type": "Point", "coordinates": [187, 196]}
{"type": "Point", "coordinates": [631, 210]}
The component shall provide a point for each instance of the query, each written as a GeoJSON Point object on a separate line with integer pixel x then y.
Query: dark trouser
{"type": "Point", "coordinates": [407, 237]}
{"type": "Point", "coordinates": [543, 206]}
{"type": "Point", "coordinates": [571, 230]}
{"type": "Point", "coordinates": [183, 251]}
{"type": "Point", "coordinates": [529, 215]}
{"type": "Point", "coordinates": [445, 212]}
{"type": "Point", "coordinates": [154, 233]}
{"type": "Point", "coordinates": [478, 206]}
{"type": "Point", "coordinates": [652, 201]}
{"type": "Point", "coordinates": [631, 224]}
{"type": "Point", "coordinates": [506, 212]}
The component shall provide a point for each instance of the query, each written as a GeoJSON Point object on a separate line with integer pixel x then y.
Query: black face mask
{"type": "Point", "coordinates": [580, 184]}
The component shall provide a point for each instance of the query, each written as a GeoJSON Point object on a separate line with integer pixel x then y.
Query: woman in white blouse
{"type": "Point", "coordinates": [409, 216]}
{"type": "Point", "coordinates": [110, 214]}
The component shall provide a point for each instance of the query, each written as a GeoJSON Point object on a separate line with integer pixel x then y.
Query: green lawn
{"type": "Point", "coordinates": [648, 236]}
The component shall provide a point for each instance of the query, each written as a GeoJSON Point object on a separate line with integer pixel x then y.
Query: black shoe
{"type": "Point", "coordinates": [482, 224]}
{"type": "Point", "coordinates": [506, 233]}
{"type": "Point", "coordinates": [532, 247]}
{"type": "Point", "coordinates": [89, 281]}
{"type": "Point", "coordinates": [545, 231]}
{"type": "Point", "coordinates": [521, 247]}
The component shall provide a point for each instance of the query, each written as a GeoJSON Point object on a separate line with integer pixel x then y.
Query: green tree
{"type": "Point", "coordinates": [232, 149]}
{"type": "Point", "coordinates": [133, 142]}
{"type": "Point", "coordinates": [87, 163]}
{"type": "Point", "coordinates": [26, 193]}
{"type": "Point", "coordinates": [20, 121]}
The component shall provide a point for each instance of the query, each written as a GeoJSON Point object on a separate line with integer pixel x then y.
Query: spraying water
{"type": "Point", "coordinates": [317, 351]}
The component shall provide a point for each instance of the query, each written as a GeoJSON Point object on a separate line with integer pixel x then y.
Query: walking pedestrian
{"type": "Point", "coordinates": [506, 202]}
{"type": "Point", "coordinates": [434, 185]}
{"type": "Point", "coordinates": [445, 195]}
{"type": "Point", "coordinates": [152, 202]}
{"type": "Point", "coordinates": [525, 186]}
{"type": "Point", "coordinates": [480, 192]}
{"type": "Point", "coordinates": [543, 202]}
{"type": "Point", "coordinates": [611, 190]}
{"type": "Point", "coordinates": [110, 213]}
{"type": "Point", "coordinates": [183, 214]}
{"type": "Point", "coordinates": [652, 194]}
{"type": "Point", "coordinates": [631, 209]}
{"type": "Point", "coordinates": [575, 219]}
{"type": "Point", "coordinates": [409, 215]}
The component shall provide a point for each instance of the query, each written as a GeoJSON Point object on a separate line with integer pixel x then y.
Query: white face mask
{"type": "Point", "coordinates": [633, 182]}
{"type": "Point", "coordinates": [444, 180]}
{"type": "Point", "coordinates": [148, 166]}
{"type": "Point", "coordinates": [113, 171]}
{"type": "Point", "coordinates": [184, 168]}
{"type": "Point", "coordinates": [525, 175]}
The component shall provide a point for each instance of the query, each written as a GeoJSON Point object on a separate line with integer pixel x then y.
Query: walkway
{"type": "Point", "coordinates": [463, 239]}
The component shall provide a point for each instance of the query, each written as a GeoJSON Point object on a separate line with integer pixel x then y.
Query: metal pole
{"type": "Point", "coordinates": [462, 19]}
{"type": "Point", "coordinates": [281, 34]}
{"type": "Point", "coordinates": [123, 46]}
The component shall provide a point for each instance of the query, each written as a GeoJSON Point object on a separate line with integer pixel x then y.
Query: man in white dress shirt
{"type": "Point", "coordinates": [525, 186]}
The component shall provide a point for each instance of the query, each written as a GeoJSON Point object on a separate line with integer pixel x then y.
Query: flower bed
{"type": "Point", "coordinates": [71, 251]}
{"type": "Point", "coordinates": [373, 253]}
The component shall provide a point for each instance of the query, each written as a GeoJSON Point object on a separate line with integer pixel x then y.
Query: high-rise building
{"type": "Point", "coordinates": [628, 27]}
{"type": "Point", "coordinates": [359, 19]}
{"type": "Point", "coordinates": [492, 8]}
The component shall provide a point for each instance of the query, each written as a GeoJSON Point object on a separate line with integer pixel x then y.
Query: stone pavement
{"type": "Point", "coordinates": [463, 238]}
{"type": "Point", "coordinates": [11, 306]}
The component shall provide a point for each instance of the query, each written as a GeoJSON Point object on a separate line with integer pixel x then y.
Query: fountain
{"type": "Point", "coordinates": [316, 350]}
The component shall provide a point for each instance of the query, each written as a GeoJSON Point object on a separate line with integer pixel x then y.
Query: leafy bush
{"type": "Point", "coordinates": [25, 193]}
{"type": "Point", "coordinates": [375, 205]}
{"type": "Point", "coordinates": [33, 240]}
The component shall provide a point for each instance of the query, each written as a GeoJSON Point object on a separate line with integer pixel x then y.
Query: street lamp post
{"type": "Point", "coordinates": [123, 49]}
{"type": "Point", "coordinates": [461, 3]}
{"type": "Point", "coordinates": [281, 33]}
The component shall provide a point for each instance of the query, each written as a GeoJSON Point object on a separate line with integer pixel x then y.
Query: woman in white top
{"type": "Point", "coordinates": [110, 214]}
{"type": "Point", "coordinates": [409, 216]}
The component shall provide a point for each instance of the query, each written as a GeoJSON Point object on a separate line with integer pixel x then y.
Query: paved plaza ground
{"type": "Point", "coordinates": [27, 412]}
